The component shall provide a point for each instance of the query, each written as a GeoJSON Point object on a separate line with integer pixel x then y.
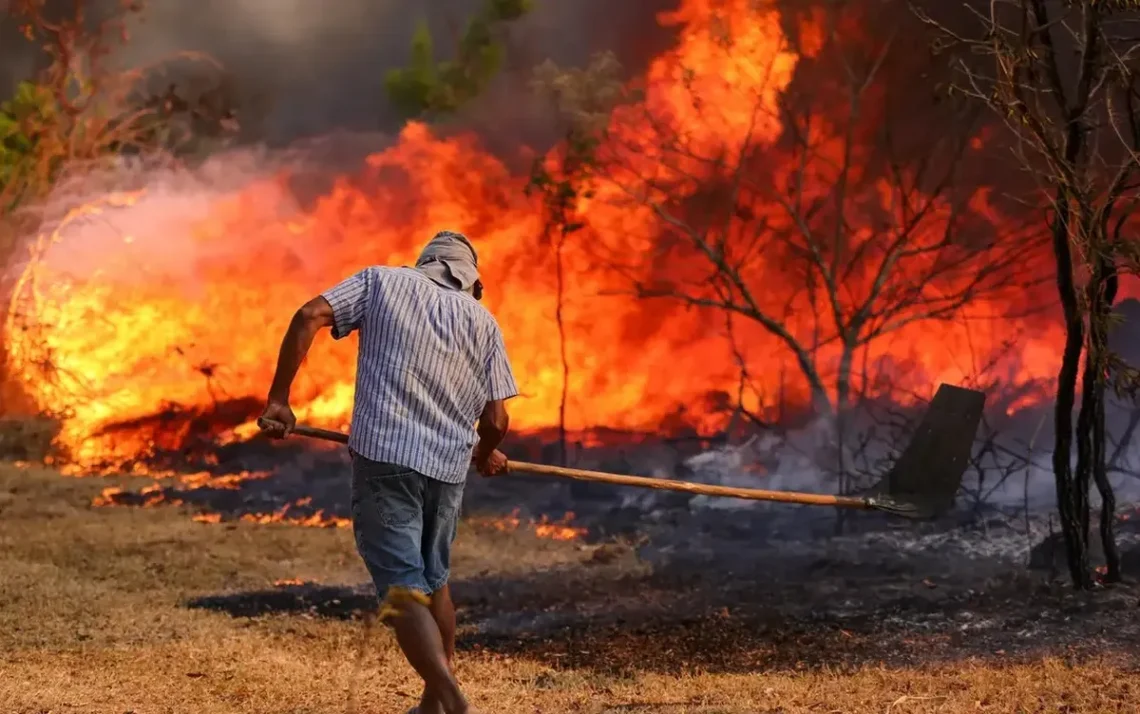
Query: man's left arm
{"type": "Point", "coordinates": [494, 421]}
{"type": "Point", "coordinates": [341, 308]}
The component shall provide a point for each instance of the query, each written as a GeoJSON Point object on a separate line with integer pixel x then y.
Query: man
{"type": "Point", "coordinates": [431, 362]}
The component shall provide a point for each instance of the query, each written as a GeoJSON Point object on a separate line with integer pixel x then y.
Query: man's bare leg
{"type": "Point", "coordinates": [443, 612]}
{"type": "Point", "coordinates": [422, 643]}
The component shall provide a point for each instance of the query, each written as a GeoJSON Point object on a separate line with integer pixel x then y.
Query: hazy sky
{"type": "Point", "coordinates": [321, 64]}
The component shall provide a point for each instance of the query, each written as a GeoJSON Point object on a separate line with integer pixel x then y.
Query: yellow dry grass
{"type": "Point", "coordinates": [93, 619]}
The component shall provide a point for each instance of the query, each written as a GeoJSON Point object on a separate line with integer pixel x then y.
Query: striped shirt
{"type": "Point", "coordinates": [429, 360]}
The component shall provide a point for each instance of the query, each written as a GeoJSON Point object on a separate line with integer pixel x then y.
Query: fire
{"type": "Point", "coordinates": [107, 497]}
{"type": "Point", "coordinates": [560, 530]}
{"type": "Point", "coordinates": [154, 495]}
{"type": "Point", "coordinates": [288, 582]}
{"type": "Point", "coordinates": [171, 302]}
{"type": "Point", "coordinates": [281, 515]}
{"type": "Point", "coordinates": [542, 528]}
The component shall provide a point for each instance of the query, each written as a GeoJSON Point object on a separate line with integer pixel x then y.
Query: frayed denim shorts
{"type": "Point", "coordinates": [404, 524]}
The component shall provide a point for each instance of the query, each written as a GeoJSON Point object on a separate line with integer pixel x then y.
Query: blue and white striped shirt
{"type": "Point", "coordinates": [429, 359]}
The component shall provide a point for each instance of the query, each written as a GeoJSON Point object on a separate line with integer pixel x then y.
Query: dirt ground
{"type": "Point", "coordinates": [143, 610]}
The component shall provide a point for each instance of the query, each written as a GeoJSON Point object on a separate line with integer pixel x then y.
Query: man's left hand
{"type": "Point", "coordinates": [277, 421]}
{"type": "Point", "coordinates": [493, 464]}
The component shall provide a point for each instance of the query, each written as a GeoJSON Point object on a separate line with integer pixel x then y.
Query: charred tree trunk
{"type": "Point", "coordinates": [842, 399]}
{"type": "Point", "coordinates": [1072, 501]}
{"type": "Point", "coordinates": [1082, 474]}
{"type": "Point", "coordinates": [560, 298]}
{"type": "Point", "coordinates": [1102, 289]}
{"type": "Point", "coordinates": [1068, 499]}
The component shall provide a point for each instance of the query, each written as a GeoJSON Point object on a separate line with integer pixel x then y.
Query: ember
{"type": "Point", "coordinates": [288, 582]}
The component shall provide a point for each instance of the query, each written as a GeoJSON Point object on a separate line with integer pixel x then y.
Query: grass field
{"type": "Point", "coordinates": [94, 617]}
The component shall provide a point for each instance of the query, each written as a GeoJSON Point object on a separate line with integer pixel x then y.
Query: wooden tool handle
{"type": "Point", "coordinates": [754, 494]}
{"type": "Point", "coordinates": [314, 433]}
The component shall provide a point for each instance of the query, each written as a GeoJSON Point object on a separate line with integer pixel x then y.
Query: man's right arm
{"type": "Point", "coordinates": [342, 308]}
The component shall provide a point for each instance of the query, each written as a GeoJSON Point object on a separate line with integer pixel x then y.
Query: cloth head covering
{"type": "Point", "coordinates": [450, 260]}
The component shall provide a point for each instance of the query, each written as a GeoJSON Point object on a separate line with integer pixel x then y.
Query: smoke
{"type": "Point", "coordinates": [1011, 470]}
{"type": "Point", "coordinates": [138, 218]}
{"type": "Point", "coordinates": [304, 68]}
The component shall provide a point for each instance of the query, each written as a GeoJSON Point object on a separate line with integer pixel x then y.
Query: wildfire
{"type": "Point", "coordinates": [315, 520]}
{"type": "Point", "coordinates": [154, 495]}
{"type": "Point", "coordinates": [542, 528]}
{"type": "Point", "coordinates": [107, 497]}
{"type": "Point", "coordinates": [174, 300]}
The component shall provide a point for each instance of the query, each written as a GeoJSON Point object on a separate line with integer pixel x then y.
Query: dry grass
{"type": "Point", "coordinates": [26, 438]}
{"type": "Point", "coordinates": [93, 618]}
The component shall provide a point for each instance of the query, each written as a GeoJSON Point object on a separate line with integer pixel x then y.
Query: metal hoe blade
{"type": "Point", "coordinates": [923, 482]}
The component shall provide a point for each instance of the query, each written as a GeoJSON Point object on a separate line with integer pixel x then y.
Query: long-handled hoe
{"type": "Point", "coordinates": [922, 483]}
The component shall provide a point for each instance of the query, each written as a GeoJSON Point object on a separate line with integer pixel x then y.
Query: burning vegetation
{"type": "Point", "coordinates": [139, 307]}
{"type": "Point", "coordinates": [755, 229]}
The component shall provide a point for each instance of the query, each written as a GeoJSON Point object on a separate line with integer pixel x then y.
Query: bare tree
{"type": "Point", "coordinates": [801, 210]}
{"type": "Point", "coordinates": [563, 178]}
{"type": "Point", "coordinates": [1063, 78]}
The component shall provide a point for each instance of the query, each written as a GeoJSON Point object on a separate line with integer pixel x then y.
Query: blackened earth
{"type": "Point", "coordinates": [729, 588]}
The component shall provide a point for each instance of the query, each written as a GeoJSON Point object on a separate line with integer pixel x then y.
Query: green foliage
{"type": "Point", "coordinates": [441, 87]}
{"type": "Point", "coordinates": [25, 122]}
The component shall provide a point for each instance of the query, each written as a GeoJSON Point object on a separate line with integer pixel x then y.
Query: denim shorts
{"type": "Point", "coordinates": [404, 524]}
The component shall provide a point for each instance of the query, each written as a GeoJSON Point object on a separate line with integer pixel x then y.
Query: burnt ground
{"type": "Point", "coordinates": [671, 584]}
{"type": "Point", "coordinates": [888, 598]}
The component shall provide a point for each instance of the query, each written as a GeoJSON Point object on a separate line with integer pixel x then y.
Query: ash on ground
{"type": "Point", "coordinates": [751, 586]}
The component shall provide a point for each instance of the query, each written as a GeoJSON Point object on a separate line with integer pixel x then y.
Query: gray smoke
{"type": "Point", "coordinates": [311, 67]}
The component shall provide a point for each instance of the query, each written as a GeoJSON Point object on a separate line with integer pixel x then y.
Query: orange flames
{"type": "Point", "coordinates": [542, 528]}
{"type": "Point", "coordinates": [175, 298]}
{"type": "Point", "coordinates": [152, 495]}
{"type": "Point", "coordinates": [289, 582]}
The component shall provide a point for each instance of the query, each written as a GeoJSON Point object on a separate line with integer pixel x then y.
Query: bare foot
{"type": "Point", "coordinates": [428, 706]}
{"type": "Point", "coordinates": [467, 709]}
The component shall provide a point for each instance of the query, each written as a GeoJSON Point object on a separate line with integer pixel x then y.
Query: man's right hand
{"type": "Point", "coordinates": [277, 421]}
{"type": "Point", "coordinates": [492, 464]}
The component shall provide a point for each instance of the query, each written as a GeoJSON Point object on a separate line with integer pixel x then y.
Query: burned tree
{"type": "Point", "coordinates": [80, 113]}
{"type": "Point", "coordinates": [798, 209]}
{"type": "Point", "coordinates": [564, 179]}
{"type": "Point", "coordinates": [1063, 78]}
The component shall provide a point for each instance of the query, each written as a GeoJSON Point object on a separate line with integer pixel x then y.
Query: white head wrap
{"type": "Point", "coordinates": [450, 260]}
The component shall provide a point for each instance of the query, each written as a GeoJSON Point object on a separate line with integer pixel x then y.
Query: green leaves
{"type": "Point", "coordinates": [25, 122]}
{"type": "Point", "coordinates": [414, 88]}
{"type": "Point", "coordinates": [442, 87]}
